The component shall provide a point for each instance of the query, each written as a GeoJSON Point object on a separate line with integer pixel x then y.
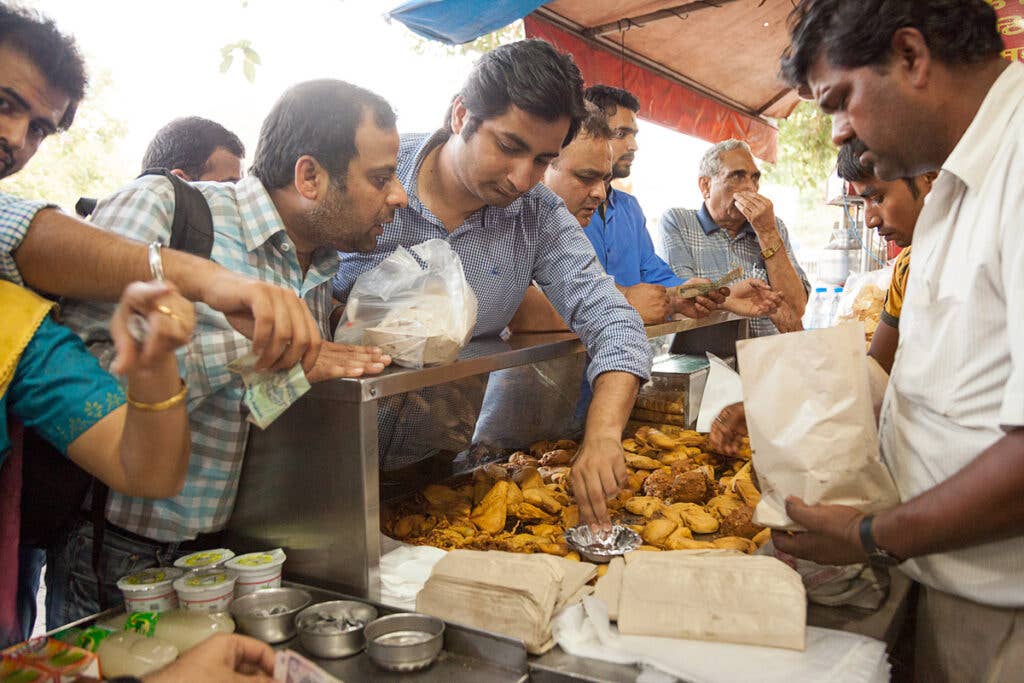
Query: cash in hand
{"type": "Point", "coordinates": [268, 394]}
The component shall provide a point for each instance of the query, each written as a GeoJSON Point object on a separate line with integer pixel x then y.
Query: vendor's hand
{"type": "Point", "coordinates": [697, 307]}
{"type": "Point", "coordinates": [758, 210]}
{"type": "Point", "coordinates": [753, 298]}
{"type": "Point", "coordinates": [650, 301]}
{"type": "Point", "coordinates": [341, 360]}
{"type": "Point", "coordinates": [222, 657]}
{"type": "Point", "coordinates": [832, 536]}
{"type": "Point", "coordinates": [170, 318]}
{"type": "Point", "coordinates": [598, 473]}
{"type": "Point", "coordinates": [277, 321]}
{"type": "Point", "coordinates": [728, 430]}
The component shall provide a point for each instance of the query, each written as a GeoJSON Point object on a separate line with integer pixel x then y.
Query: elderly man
{"type": "Point", "coordinates": [926, 90]}
{"type": "Point", "coordinates": [736, 226]}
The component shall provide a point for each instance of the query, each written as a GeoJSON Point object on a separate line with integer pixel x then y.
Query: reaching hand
{"type": "Point", "coordinates": [650, 301]}
{"type": "Point", "coordinates": [223, 658]}
{"type": "Point", "coordinates": [170, 319]}
{"type": "Point", "coordinates": [728, 430]}
{"type": "Point", "coordinates": [277, 321]}
{"type": "Point", "coordinates": [754, 299]}
{"type": "Point", "coordinates": [598, 473]}
{"type": "Point", "coordinates": [700, 306]}
{"type": "Point", "coordinates": [341, 360]}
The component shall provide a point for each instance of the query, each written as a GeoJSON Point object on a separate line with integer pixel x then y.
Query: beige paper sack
{"type": "Point", "coordinates": [811, 422]}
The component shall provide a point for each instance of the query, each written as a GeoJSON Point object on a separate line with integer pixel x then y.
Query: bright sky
{"type": "Point", "coordinates": [163, 60]}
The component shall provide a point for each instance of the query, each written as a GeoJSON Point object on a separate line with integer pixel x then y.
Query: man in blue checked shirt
{"type": "Point", "coordinates": [476, 184]}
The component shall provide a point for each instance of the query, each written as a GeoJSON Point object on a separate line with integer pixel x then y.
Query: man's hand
{"type": "Point", "coordinates": [759, 211]}
{"type": "Point", "coordinates": [228, 658]}
{"type": "Point", "coordinates": [700, 306]}
{"type": "Point", "coordinates": [650, 301]}
{"type": "Point", "coordinates": [598, 473]}
{"type": "Point", "coordinates": [170, 319]}
{"type": "Point", "coordinates": [277, 321]}
{"type": "Point", "coordinates": [341, 360]}
{"type": "Point", "coordinates": [728, 430]}
{"type": "Point", "coordinates": [754, 299]}
{"type": "Point", "coordinates": [832, 536]}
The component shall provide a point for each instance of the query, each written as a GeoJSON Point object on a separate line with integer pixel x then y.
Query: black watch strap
{"type": "Point", "coordinates": [876, 556]}
{"type": "Point", "coordinates": [124, 679]}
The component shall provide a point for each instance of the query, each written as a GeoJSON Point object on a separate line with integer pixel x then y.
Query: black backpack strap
{"type": "Point", "coordinates": [192, 227]}
{"type": "Point", "coordinates": [85, 206]}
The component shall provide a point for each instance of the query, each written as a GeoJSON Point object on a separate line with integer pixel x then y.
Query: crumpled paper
{"type": "Point", "coordinates": [583, 630]}
{"type": "Point", "coordinates": [722, 388]}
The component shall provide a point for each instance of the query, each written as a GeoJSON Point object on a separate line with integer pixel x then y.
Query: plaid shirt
{"type": "Point", "coordinates": [502, 250]}
{"type": "Point", "coordinates": [15, 216]}
{"type": "Point", "coordinates": [697, 247]}
{"type": "Point", "coordinates": [249, 238]}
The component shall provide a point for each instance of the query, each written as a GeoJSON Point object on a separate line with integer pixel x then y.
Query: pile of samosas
{"type": "Point", "coordinates": [678, 496]}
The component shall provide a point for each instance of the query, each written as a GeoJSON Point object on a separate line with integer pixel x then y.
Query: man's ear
{"type": "Point", "coordinates": [704, 183]}
{"type": "Point", "coordinates": [181, 174]}
{"type": "Point", "coordinates": [460, 114]}
{"type": "Point", "coordinates": [911, 53]}
{"type": "Point", "coordinates": [927, 179]}
{"type": "Point", "coordinates": [309, 177]}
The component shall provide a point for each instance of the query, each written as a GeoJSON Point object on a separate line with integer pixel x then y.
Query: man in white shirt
{"type": "Point", "coordinates": [928, 91]}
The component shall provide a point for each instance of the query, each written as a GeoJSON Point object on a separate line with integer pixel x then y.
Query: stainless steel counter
{"type": "Point", "coordinates": [310, 481]}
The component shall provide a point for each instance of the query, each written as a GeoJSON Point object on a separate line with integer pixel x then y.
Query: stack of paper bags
{"type": "Point", "coordinates": [722, 596]}
{"type": "Point", "coordinates": [508, 593]}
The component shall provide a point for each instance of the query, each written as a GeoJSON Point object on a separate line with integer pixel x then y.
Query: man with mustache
{"type": "Point", "coordinates": [323, 180]}
{"type": "Point", "coordinates": [476, 184]}
{"type": "Point", "coordinates": [736, 226]}
{"type": "Point", "coordinates": [926, 89]}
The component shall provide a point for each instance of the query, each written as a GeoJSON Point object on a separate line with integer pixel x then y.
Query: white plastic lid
{"type": "Point", "coordinates": [204, 558]}
{"type": "Point", "coordinates": [257, 562]}
{"type": "Point", "coordinates": [204, 580]}
{"type": "Point", "coordinates": [153, 578]}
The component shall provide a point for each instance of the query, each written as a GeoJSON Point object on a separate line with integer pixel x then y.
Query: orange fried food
{"type": "Point", "coordinates": [744, 545]}
{"type": "Point", "coordinates": [520, 459]}
{"type": "Point", "coordinates": [490, 514]}
{"type": "Point", "coordinates": [738, 523]}
{"type": "Point", "coordinates": [641, 462]}
{"type": "Point", "coordinates": [539, 448]}
{"type": "Point", "coordinates": [677, 487]}
{"type": "Point", "coordinates": [557, 457]}
{"type": "Point", "coordinates": [528, 478]}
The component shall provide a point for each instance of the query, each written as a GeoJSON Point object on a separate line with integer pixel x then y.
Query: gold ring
{"type": "Point", "coordinates": [166, 310]}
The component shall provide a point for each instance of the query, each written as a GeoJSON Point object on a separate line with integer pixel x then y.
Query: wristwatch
{"type": "Point", "coordinates": [877, 557]}
{"type": "Point", "coordinates": [772, 250]}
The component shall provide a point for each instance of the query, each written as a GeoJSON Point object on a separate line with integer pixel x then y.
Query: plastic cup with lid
{"type": "Point", "coordinates": [204, 558]}
{"type": "Point", "coordinates": [150, 590]}
{"type": "Point", "coordinates": [206, 590]}
{"type": "Point", "coordinates": [257, 570]}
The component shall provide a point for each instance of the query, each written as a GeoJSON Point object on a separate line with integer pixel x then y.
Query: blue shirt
{"type": "Point", "coordinates": [58, 389]}
{"type": "Point", "coordinates": [624, 246]}
{"type": "Point", "coordinates": [535, 238]}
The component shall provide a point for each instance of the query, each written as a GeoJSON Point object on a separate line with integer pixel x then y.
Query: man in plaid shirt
{"type": "Point", "coordinates": [323, 180]}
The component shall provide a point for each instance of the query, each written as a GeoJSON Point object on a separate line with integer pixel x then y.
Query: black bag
{"type": "Point", "coordinates": [54, 489]}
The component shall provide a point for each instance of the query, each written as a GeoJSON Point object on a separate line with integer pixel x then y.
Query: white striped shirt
{"type": "Point", "coordinates": [957, 384]}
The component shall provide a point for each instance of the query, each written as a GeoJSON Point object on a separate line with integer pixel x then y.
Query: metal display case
{"type": "Point", "coordinates": [311, 481]}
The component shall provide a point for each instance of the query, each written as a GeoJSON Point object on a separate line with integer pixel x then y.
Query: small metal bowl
{"type": "Point", "coordinates": [404, 642]}
{"type": "Point", "coordinates": [342, 635]}
{"type": "Point", "coordinates": [269, 614]}
{"type": "Point", "coordinates": [619, 541]}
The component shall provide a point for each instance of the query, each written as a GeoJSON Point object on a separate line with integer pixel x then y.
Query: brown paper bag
{"type": "Point", "coordinates": [811, 421]}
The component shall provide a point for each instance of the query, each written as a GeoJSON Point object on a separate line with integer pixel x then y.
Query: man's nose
{"type": "Point", "coordinates": [15, 131]}
{"type": "Point", "coordinates": [398, 197]}
{"type": "Point", "coordinates": [841, 129]}
{"type": "Point", "coordinates": [524, 175]}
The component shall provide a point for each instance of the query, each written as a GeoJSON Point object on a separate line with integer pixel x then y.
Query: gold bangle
{"type": "Point", "coordinates": [161, 405]}
{"type": "Point", "coordinates": [771, 251]}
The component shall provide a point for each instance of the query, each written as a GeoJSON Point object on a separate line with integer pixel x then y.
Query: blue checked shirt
{"type": "Point", "coordinates": [249, 238]}
{"type": "Point", "coordinates": [15, 217]}
{"type": "Point", "coordinates": [624, 246]}
{"type": "Point", "coordinates": [535, 238]}
{"type": "Point", "coordinates": [697, 247]}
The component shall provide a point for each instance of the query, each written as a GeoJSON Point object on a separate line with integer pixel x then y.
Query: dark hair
{"type": "Point", "coordinates": [187, 143]}
{"type": "Point", "coordinates": [850, 169]}
{"type": "Point", "coordinates": [56, 55]}
{"type": "Point", "coordinates": [595, 123]}
{"type": "Point", "coordinates": [610, 98]}
{"type": "Point", "coordinates": [853, 34]}
{"type": "Point", "coordinates": [318, 118]}
{"type": "Point", "coordinates": [529, 74]}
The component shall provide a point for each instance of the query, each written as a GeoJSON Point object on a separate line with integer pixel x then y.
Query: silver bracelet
{"type": "Point", "coordinates": [156, 261]}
